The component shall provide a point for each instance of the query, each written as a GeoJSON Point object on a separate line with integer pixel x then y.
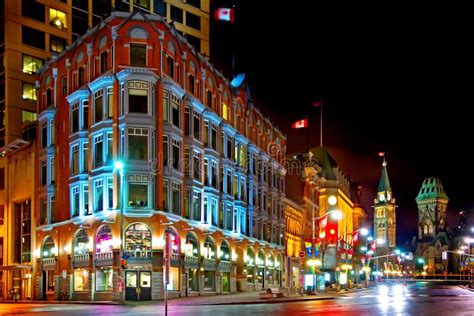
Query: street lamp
{"type": "Point", "coordinates": [119, 167]}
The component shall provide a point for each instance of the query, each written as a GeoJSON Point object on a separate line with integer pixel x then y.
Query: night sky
{"type": "Point", "coordinates": [397, 81]}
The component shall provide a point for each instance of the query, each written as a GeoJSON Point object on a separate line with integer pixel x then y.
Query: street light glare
{"type": "Point", "coordinates": [332, 200]}
{"type": "Point", "coordinates": [337, 215]}
{"type": "Point", "coordinates": [118, 165]}
{"type": "Point", "coordinates": [364, 231]}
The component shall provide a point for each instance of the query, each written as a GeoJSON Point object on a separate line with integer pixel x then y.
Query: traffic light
{"type": "Point", "coordinates": [123, 263]}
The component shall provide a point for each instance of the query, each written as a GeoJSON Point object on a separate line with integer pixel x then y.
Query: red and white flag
{"type": "Point", "coordinates": [224, 14]}
{"type": "Point", "coordinates": [300, 124]}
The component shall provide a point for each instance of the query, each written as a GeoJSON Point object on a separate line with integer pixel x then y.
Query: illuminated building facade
{"type": "Point", "coordinates": [200, 162]}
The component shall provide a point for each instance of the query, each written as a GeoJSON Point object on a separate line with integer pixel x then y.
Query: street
{"type": "Point", "coordinates": [416, 299]}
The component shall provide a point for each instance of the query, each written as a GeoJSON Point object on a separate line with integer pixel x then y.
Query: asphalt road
{"type": "Point", "coordinates": [417, 299]}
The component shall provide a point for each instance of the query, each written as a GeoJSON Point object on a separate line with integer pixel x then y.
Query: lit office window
{"type": "Point", "coordinates": [31, 64]}
{"type": "Point", "coordinates": [29, 92]}
{"type": "Point", "coordinates": [57, 18]}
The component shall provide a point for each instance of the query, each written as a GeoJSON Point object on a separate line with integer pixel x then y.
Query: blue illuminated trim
{"type": "Point", "coordinates": [213, 117]}
{"type": "Point", "coordinates": [77, 95]}
{"type": "Point", "coordinates": [101, 82]}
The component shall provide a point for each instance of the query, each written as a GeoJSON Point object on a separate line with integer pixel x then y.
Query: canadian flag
{"type": "Point", "coordinates": [300, 124]}
{"type": "Point", "coordinates": [224, 14]}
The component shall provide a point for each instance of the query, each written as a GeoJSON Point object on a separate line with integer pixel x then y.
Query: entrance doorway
{"type": "Point", "coordinates": [138, 285]}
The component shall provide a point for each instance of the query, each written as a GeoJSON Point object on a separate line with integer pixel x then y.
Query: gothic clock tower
{"type": "Point", "coordinates": [384, 214]}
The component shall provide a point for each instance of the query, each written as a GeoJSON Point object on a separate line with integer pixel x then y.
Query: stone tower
{"type": "Point", "coordinates": [432, 203]}
{"type": "Point", "coordinates": [384, 213]}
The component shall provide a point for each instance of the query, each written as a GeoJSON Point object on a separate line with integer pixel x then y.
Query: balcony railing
{"type": "Point", "coordinates": [224, 265]}
{"type": "Point", "coordinates": [104, 256]}
{"type": "Point", "coordinates": [209, 264]}
{"type": "Point", "coordinates": [191, 262]}
{"type": "Point", "coordinates": [49, 261]}
{"type": "Point", "coordinates": [142, 254]}
{"type": "Point", "coordinates": [174, 259]}
{"type": "Point", "coordinates": [82, 258]}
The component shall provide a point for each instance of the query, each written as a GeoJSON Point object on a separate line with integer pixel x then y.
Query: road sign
{"type": "Point", "coordinates": [302, 254]}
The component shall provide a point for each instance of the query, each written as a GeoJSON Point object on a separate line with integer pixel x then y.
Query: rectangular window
{"type": "Point", "coordinates": [138, 143]}
{"type": "Point", "coordinates": [110, 193]}
{"type": "Point", "coordinates": [57, 44]}
{"type": "Point", "coordinates": [225, 110]}
{"type": "Point", "coordinates": [52, 131]}
{"type": "Point", "coordinates": [98, 195]}
{"type": "Point", "coordinates": [197, 126]}
{"type": "Point", "coordinates": [52, 170]}
{"type": "Point", "coordinates": [109, 148]}
{"type": "Point", "coordinates": [176, 14]}
{"type": "Point", "coordinates": [205, 210]}
{"type": "Point", "coordinates": [228, 182]}
{"type": "Point", "coordinates": [86, 199]}
{"type": "Point", "coordinates": [186, 203]}
{"type": "Point", "coordinates": [196, 215]}
{"type": "Point", "coordinates": [81, 280]}
{"type": "Point", "coordinates": [33, 37]}
{"type": "Point", "coordinates": [85, 157]}
{"type": "Point", "coordinates": [27, 116]}
{"type": "Point", "coordinates": [214, 136]}
{"type": "Point", "coordinates": [138, 191]}
{"type": "Point", "coordinates": [31, 64]}
{"type": "Point", "coordinates": [44, 173]}
{"type": "Point", "coordinates": [25, 231]}
{"type": "Point", "coordinates": [165, 196]}
{"type": "Point", "coordinates": [214, 218]}
{"type": "Point", "coordinates": [176, 113]}
{"type": "Point", "coordinates": [2, 216]}
{"type": "Point", "coordinates": [29, 92]}
{"type": "Point", "coordinates": [228, 217]}
{"type": "Point", "coordinates": [104, 65]}
{"type": "Point", "coordinates": [205, 136]}
{"type": "Point", "coordinates": [195, 42]}
{"type": "Point", "coordinates": [209, 99]}
{"type": "Point", "coordinates": [75, 118]}
{"type": "Point", "coordinates": [32, 9]}
{"type": "Point", "coordinates": [197, 166]}
{"type": "Point", "coordinates": [64, 85]}
{"type": "Point", "coordinates": [206, 171]}
{"type": "Point", "coordinates": [75, 201]}
{"type": "Point", "coordinates": [193, 21]}
{"type": "Point", "coordinates": [138, 55]}
{"type": "Point", "coordinates": [57, 19]}
{"type": "Point", "coordinates": [166, 106]}
{"type": "Point", "coordinates": [165, 150]}
{"type": "Point", "coordinates": [98, 106]}
{"type": "Point", "coordinates": [170, 66]}
{"type": "Point", "coordinates": [52, 208]}
{"type": "Point", "coordinates": [176, 197]}
{"type": "Point", "coordinates": [229, 148]}
{"type": "Point", "coordinates": [194, 3]}
{"type": "Point", "coordinates": [80, 76]}
{"type": "Point", "coordinates": [176, 154]}
{"type": "Point", "coordinates": [104, 279]}
{"type": "Point", "coordinates": [187, 121]}
{"type": "Point", "coordinates": [191, 83]}
{"type": "Point", "coordinates": [110, 102]}
{"type": "Point", "coordinates": [43, 211]}
{"type": "Point", "coordinates": [98, 151]}
{"type": "Point", "coordinates": [142, 3]}
{"type": "Point", "coordinates": [44, 134]}
{"type": "Point", "coordinates": [85, 114]}
{"type": "Point", "coordinates": [214, 173]}
{"type": "Point", "coordinates": [138, 97]}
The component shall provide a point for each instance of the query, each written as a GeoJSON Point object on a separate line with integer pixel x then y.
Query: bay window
{"type": "Point", "coordinates": [138, 97]}
{"type": "Point", "coordinates": [138, 190]}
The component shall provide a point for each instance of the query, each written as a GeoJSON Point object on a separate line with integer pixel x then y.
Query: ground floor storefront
{"type": "Point", "coordinates": [87, 263]}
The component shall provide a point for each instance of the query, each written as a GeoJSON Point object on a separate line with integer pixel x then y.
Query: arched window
{"type": "Point", "coordinates": [250, 260]}
{"type": "Point", "coordinates": [270, 261]}
{"type": "Point", "coordinates": [138, 240]}
{"type": "Point", "coordinates": [192, 246]}
{"type": "Point", "coordinates": [103, 241]}
{"type": "Point", "coordinates": [81, 243]}
{"type": "Point", "coordinates": [209, 248]}
{"type": "Point", "coordinates": [49, 248]}
{"type": "Point", "coordinates": [224, 252]}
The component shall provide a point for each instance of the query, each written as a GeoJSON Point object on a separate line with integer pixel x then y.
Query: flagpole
{"type": "Point", "coordinates": [321, 124]}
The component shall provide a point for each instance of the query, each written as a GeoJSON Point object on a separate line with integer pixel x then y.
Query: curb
{"type": "Point", "coordinates": [62, 302]}
{"type": "Point", "coordinates": [262, 302]}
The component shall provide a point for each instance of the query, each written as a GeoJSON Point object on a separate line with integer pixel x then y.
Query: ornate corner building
{"type": "Point", "coordinates": [200, 162]}
{"type": "Point", "coordinates": [433, 236]}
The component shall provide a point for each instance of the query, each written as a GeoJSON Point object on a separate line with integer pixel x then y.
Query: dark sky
{"type": "Point", "coordinates": [394, 79]}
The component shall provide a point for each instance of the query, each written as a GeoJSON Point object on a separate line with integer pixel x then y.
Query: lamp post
{"type": "Point", "coordinates": [119, 167]}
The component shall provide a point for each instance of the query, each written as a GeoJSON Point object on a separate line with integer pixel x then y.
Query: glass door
{"type": "Point", "coordinates": [145, 286]}
{"type": "Point", "coordinates": [131, 283]}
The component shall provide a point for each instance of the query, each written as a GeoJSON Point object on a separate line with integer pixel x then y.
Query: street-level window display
{"type": "Point", "coordinates": [138, 240]}
{"type": "Point", "coordinates": [193, 280]}
{"type": "Point", "coordinates": [209, 281]}
{"type": "Point", "coordinates": [250, 274]}
{"type": "Point", "coordinates": [173, 285]}
{"type": "Point", "coordinates": [103, 279]}
{"type": "Point", "coordinates": [81, 280]}
{"type": "Point", "coordinates": [81, 243]}
{"type": "Point", "coordinates": [226, 281]}
{"type": "Point", "coordinates": [104, 240]}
